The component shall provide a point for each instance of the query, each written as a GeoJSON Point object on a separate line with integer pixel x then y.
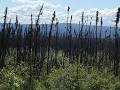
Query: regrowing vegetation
{"type": "Point", "coordinates": [39, 58]}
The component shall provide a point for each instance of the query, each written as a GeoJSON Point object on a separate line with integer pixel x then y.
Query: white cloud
{"type": "Point", "coordinates": [107, 14]}
{"type": "Point", "coordinates": [22, 1]}
{"type": "Point", "coordinates": [24, 12]}
{"type": "Point", "coordinates": [32, 6]}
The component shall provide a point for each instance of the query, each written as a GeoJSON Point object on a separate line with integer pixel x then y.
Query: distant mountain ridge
{"type": "Point", "coordinates": [62, 28]}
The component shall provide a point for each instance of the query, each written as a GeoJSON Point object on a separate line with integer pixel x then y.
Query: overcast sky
{"type": "Point", "coordinates": [23, 8]}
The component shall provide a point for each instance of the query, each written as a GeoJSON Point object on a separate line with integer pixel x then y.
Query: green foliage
{"type": "Point", "coordinates": [66, 79]}
{"type": "Point", "coordinates": [10, 79]}
{"type": "Point", "coordinates": [70, 77]}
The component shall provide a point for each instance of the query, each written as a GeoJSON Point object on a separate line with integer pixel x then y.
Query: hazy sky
{"type": "Point", "coordinates": [23, 8]}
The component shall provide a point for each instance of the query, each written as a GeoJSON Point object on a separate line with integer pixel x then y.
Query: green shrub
{"type": "Point", "coordinates": [66, 79]}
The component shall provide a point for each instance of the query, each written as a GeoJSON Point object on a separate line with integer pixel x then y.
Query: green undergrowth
{"type": "Point", "coordinates": [70, 77]}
